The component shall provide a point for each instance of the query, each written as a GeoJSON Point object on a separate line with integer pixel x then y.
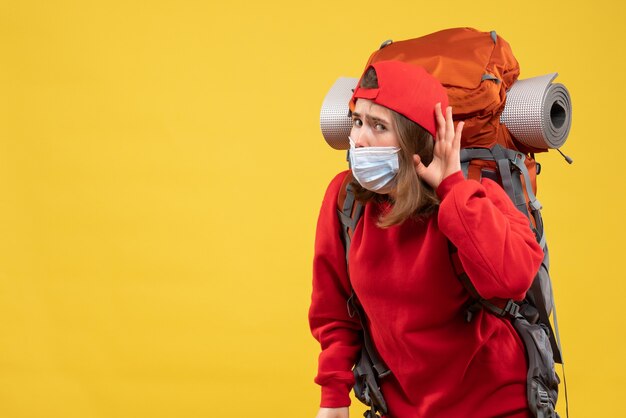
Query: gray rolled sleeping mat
{"type": "Point", "coordinates": [538, 112]}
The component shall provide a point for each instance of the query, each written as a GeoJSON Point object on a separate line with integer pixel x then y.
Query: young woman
{"type": "Point", "coordinates": [405, 163]}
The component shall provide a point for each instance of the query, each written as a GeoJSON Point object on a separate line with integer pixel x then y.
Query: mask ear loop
{"type": "Point", "coordinates": [352, 146]}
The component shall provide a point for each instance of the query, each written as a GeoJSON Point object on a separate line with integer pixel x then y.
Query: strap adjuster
{"type": "Point", "coordinates": [542, 398]}
{"type": "Point", "coordinates": [511, 308]}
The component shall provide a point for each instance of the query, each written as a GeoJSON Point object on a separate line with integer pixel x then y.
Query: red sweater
{"type": "Point", "coordinates": [441, 365]}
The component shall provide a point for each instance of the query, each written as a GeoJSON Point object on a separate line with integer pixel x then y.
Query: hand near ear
{"type": "Point", "coordinates": [446, 153]}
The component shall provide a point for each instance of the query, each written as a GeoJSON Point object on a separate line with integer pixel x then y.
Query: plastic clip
{"type": "Point", "coordinates": [511, 308]}
{"type": "Point", "coordinates": [543, 398]}
{"type": "Point", "coordinates": [382, 374]}
{"type": "Point", "coordinates": [471, 310]}
{"type": "Point", "coordinates": [519, 158]}
{"type": "Point", "coordinates": [535, 205]}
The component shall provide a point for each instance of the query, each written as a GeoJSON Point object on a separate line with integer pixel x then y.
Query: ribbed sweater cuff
{"type": "Point", "coordinates": [448, 183]}
{"type": "Point", "coordinates": [335, 395]}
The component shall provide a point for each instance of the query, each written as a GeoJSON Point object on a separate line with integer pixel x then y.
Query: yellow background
{"type": "Point", "coordinates": [161, 169]}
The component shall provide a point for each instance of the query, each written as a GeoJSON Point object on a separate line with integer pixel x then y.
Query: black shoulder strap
{"type": "Point", "coordinates": [499, 307]}
{"type": "Point", "coordinates": [350, 211]}
{"type": "Point", "coordinates": [508, 162]}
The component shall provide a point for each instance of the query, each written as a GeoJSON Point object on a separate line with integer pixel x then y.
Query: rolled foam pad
{"type": "Point", "coordinates": [537, 112]}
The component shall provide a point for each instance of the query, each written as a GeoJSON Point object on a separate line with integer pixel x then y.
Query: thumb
{"type": "Point", "coordinates": [419, 167]}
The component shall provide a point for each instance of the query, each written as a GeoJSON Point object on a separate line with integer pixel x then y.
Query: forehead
{"type": "Point", "coordinates": [366, 107]}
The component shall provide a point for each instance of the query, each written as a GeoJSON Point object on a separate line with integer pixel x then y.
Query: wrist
{"type": "Point", "coordinates": [342, 412]}
{"type": "Point", "coordinates": [448, 183]}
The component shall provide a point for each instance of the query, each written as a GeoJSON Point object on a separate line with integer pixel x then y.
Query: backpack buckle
{"type": "Point", "coordinates": [471, 310]}
{"type": "Point", "coordinates": [519, 158]}
{"type": "Point", "coordinates": [511, 308]}
{"type": "Point", "coordinates": [542, 398]}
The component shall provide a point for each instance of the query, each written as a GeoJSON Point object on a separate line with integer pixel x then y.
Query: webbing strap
{"type": "Point", "coordinates": [535, 205]}
{"type": "Point", "coordinates": [520, 200]}
{"type": "Point", "coordinates": [510, 308]}
{"type": "Point", "coordinates": [349, 216]}
{"type": "Point", "coordinates": [490, 77]}
{"type": "Point", "coordinates": [354, 307]}
{"type": "Point", "coordinates": [468, 154]}
{"type": "Point", "coordinates": [541, 235]}
{"type": "Point", "coordinates": [544, 316]}
{"type": "Point", "coordinates": [346, 221]}
{"type": "Point", "coordinates": [518, 161]}
{"type": "Point", "coordinates": [349, 200]}
{"type": "Point", "coordinates": [511, 184]}
{"type": "Point", "coordinates": [465, 168]}
{"type": "Point", "coordinates": [508, 183]}
{"type": "Point", "coordinates": [565, 390]}
{"type": "Point", "coordinates": [344, 233]}
{"type": "Point", "coordinates": [558, 341]}
{"type": "Point", "coordinates": [556, 328]}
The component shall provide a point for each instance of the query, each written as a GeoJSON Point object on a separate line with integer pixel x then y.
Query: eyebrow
{"type": "Point", "coordinates": [371, 118]}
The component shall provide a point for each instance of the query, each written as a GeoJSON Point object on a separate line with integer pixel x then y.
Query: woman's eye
{"type": "Point", "coordinates": [357, 122]}
{"type": "Point", "coordinates": [380, 127]}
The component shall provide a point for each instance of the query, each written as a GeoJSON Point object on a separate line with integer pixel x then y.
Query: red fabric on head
{"type": "Point", "coordinates": [406, 89]}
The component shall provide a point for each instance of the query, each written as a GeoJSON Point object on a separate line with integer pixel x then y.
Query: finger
{"type": "Point", "coordinates": [421, 170]}
{"type": "Point", "coordinates": [416, 160]}
{"type": "Point", "coordinates": [417, 163]}
{"type": "Point", "coordinates": [449, 124]}
{"type": "Point", "coordinates": [441, 122]}
{"type": "Point", "coordinates": [458, 134]}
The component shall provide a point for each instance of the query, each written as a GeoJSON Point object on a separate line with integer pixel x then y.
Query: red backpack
{"type": "Point", "coordinates": [477, 69]}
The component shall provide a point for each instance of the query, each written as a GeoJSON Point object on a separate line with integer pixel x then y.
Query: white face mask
{"type": "Point", "coordinates": [374, 168]}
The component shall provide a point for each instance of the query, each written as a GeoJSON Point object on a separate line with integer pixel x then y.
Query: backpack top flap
{"type": "Point", "coordinates": [476, 68]}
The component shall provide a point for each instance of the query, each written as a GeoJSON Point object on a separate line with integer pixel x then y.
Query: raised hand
{"type": "Point", "coordinates": [446, 153]}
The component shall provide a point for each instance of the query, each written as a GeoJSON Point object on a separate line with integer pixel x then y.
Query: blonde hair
{"type": "Point", "coordinates": [413, 197]}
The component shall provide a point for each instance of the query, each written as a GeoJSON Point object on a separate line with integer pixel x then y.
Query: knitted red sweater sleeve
{"type": "Point", "coordinates": [337, 333]}
{"type": "Point", "coordinates": [496, 246]}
